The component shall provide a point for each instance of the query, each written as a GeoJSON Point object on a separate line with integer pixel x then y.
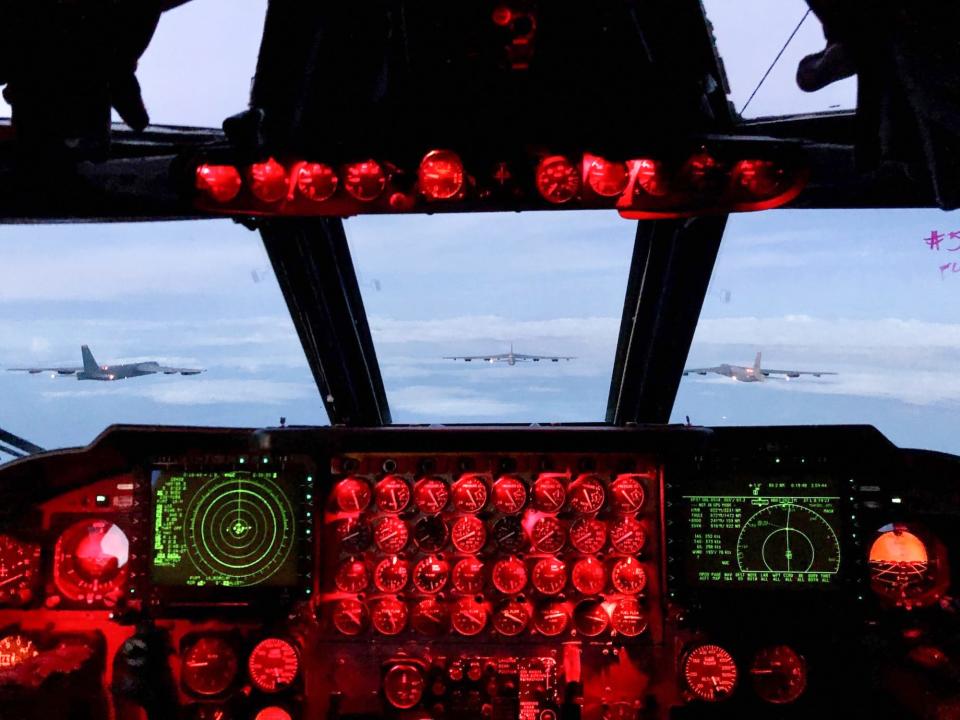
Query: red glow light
{"type": "Point", "coordinates": [273, 665]}
{"type": "Point", "coordinates": [558, 180]}
{"type": "Point", "coordinates": [316, 181]}
{"type": "Point", "coordinates": [760, 178]}
{"type": "Point", "coordinates": [701, 170]}
{"type": "Point", "coordinates": [365, 180]}
{"type": "Point", "coordinates": [268, 181]}
{"type": "Point", "coordinates": [440, 175]}
{"type": "Point", "coordinates": [648, 174]}
{"type": "Point", "coordinates": [605, 178]}
{"type": "Point", "coordinates": [220, 182]}
{"type": "Point", "coordinates": [272, 712]}
{"type": "Point", "coordinates": [898, 547]}
{"type": "Point", "coordinates": [502, 15]}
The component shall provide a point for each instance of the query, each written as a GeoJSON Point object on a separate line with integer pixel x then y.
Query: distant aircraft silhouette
{"type": "Point", "coordinates": [92, 371]}
{"type": "Point", "coordinates": [510, 358]}
{"type": "Point", "coordinates": [756, 373]}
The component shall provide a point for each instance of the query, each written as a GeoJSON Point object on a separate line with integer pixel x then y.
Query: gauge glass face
{"type": "Point", "coordinates": [440, 174]}
{"type": "Point", "coordinates": [393, 494]}
{"type": "Point", "coordinates": [430, 618]}
{"type": "Point", "coordinates": [316, 181]}
{"type": "Point", "coordinates": [509, 575]}
{"type": "Point", "coordinates": [589, 576]}
{"type": "Point", "coordinates": [558, 179]}
{"type": "Point", "coordinates": [628, 617]}
{"type": "Point", "coordinates": [627, 494]}
{"type": "Point", "coordinates": [389, 616]}
{"type": "Point", "coordinates": [511, 618]}
{"type": "Point", "coordinates": [364, 180]}
{"type": "Point", "coordinates": [588, 535]}
{"type": "Point", "coordinates": [590, 618]}
{"type": "Point", "coordinates": [350, 617]}
{"type": "Point", "coordinates": [550, 492]}
{"type": "Point", "coordinates": [549, 576]}
{"type": "Point", "coordinates": [273, 665]}
{"type": "Point", "coordinates": [430, 575]}
{"type": "Point", "coordinates": [552, 619]}
{"type": "Point", "coordinates": [431, 534]}
{"type": "Point", "coordinates": [15, 649]}
{"type": "Point", "coordinates": [353, 535]}
{"type": "Point", "coordinates": [391, 535]}
{"type": "Point", "coordinates": [352, 495]}
{"type": "Point", "coordinates": [431, 495]}
{"type": "Point", "coordinates": [587, 494]}
{"type": "Point", "coordinates": [391, 574]}
{"type": "Point", "coordinates": [469, 534]}
{"type": "Point", "coordinates": [627, 535]}
{"type": "Point", "coordinates": [19, 568]}
{"type": "Point", "coordinates": [403, 686]}
{"type": "Point", "coordinates": [607, 178]}
{"type": "Point", "coordinates": [628, 576]}
{"type": "Point", "coordinates": [903, 571]}
{"type": "Point", "coordinates": [469, 616]}
{"type": "Point", "coordinates": [548, 535]}
{"type": "Point", "coordinates": [468, 576]}
{"type": "Point", "coordinates": [91, 562]}
{"type": "Point", "coordinates": [470, 493]}
{"type": "Point", "coordinates": [710, 673]}
{"type": "Point", "coordinates": [779, 674]}
{"type": "Point", "coordinates": [509, 535]}
{"type": "Point", "coordinates": [209, 666]}
{"type": "Point", "coordinates": [509, 495]}
{"type": "Point", "coordinates": [351, 576]}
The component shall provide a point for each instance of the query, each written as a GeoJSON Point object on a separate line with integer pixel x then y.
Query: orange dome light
{"type": "Point", "coordinates": [898, 546]}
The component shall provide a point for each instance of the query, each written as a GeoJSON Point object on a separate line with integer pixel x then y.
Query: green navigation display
{"type": "Point", "coordinates": [783, 531]}
{"type": "Point", "coordinates": [229, 529]}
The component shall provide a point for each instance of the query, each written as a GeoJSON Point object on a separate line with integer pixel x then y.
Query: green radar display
{"type": "Point", "coordinates": [223, 529]}
{"type": "Point", "coordinates": [764, 532]}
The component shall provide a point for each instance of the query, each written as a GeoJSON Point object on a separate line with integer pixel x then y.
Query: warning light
{"type": "Point", "coordinates": [364, 180]}
{"type": "Point", "coordinates": [220, 182]}
{"type": "Point", "coordinates": [268, 181]}
{"type": "Point", "coordinates": [440, 175]}
{"type": "Point", "coordinates": [316, 181]}
{"type": "Point", "coordinates": [558, 180]}
{"type": "Point", "coordinates": [605, 178]}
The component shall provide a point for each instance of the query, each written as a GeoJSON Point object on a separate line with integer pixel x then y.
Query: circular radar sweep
{"type": "Point", "coordinates": [787, 537]}
{"type": "Point", "coordinates": [241, 530]}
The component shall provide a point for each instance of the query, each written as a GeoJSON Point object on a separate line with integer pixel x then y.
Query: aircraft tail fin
{"type": "Point", "coordinates": [756, 364]}
{"type": "Point", "coordinates": [89, 363]}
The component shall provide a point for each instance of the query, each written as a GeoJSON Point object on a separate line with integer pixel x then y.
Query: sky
{"type": "Point", "coordinates": [855, 292]}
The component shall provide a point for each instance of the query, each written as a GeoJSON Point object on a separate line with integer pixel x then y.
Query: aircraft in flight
{"type": "Point", "coordinates": [756, 373]}
{"type": "Point", "coordinates": [510, 358]}
{"type": "Point", "coordinates": [92, 371]}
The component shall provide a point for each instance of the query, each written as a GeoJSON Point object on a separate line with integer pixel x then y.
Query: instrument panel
{"type": "Point", "coordinates": [537, 573]}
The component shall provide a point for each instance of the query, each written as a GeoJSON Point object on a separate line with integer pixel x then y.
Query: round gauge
{"type": "Point", "coordinates": [906, 571]}
{"type": "Point", "coordinates": [588, 576]}
{"type": "Point", "coordinates": [588, 535]}
{"type": "Point", "coordinates": [270, 712]}
{"type": "Point", "coordinates": [470, 493]}
{"type": "Point", "coordinates": [787, 537]}
{"type": "Point", "coordinates": [469, 616]}
{"type": "Point", "coordinates": [431, 534]}
{"type": "Point", "coordinates": [627, 494]}
{"type": "Point", "coordinates": [431, 495]}
{"type": "Point", "coordinates": [509, 575]}
{"type": "Point", "coordinates": [628, 576]}
{"type": "Point", "coordinates": [90, 562]}
{"type": "Point", "coordinates": [403, 686]}
{"type": "Point", "coordinates": [508, 532]}
{"type": "Point", "coordinates": [430, 617]}
{"type": "Point", "coordinates": [440, 175]}
{"type": "Point", "coordinates": [469, 534]}
{"type": "Point", "coordinates": [779, 674]}
{"type": "Point", "coordinates": [351, 576]}
{"type": "Point", "coordinates": [353, 535]}
{"type": "Point", "coordinates": [209, 666]}
{"type": "Point", "coordinates": [549, 576]}
{"type": "Point", "coordinates": [552, 619]}
{"type": "Point", "coordinates": [393, 494]}
{"type": "Point", "coordinates": [274, 664]}
{"type": "Point", "coordinates": [364, 180]}
{"type": "Point", "coordinates": [350, 617]}
{"type": "Point", "coordinates": [558, 179]}
{"type": "Point", "coordinates": [267, 180]}
{"type": "Point", "coordinates": [509, 495]}
{"type": "Point", "coordinates": [316, 181]}
{"type": "Point", "coordinates": [628, 618]}
{"type": "Point", "coordinates": [391, 574]}
{"type": "Point", "coordinates": [548, 535]}
{"type": "Point", "coordinates": [19, 567]}
{"type": "Point", "coordinates": [710, 672]}
{"type": "Point", "coordinates": [468, 576]}
{"type": "Point", "coordinates": [391, 535]}
{"type": "Point", "coordinates": [650, 177]}
{"type": "Point", "coordinates": [430, 575]}
{"type": "Point", "coordinates": [389, 616]}
{"type": "Point", "coordinates": [627, 535]}
{"type": "Point", "coordinates": [352, 494]}
{"type": "Point", "coordinates": [590, 618]}
{"type": "Point", "coordinates": [606, 178]}
{"type": "Point", "coordinates": [587, 494]}
{"type": "Point", "coordinates": [511, 618]}
{"type": "Point", "coordinates": [550, 492]}
{"type": "Point", "coordinates": [15, 649]}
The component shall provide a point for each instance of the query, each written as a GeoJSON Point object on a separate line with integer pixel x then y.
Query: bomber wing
{"type": "Point", "coordinates": [795, 373]}
{"type": "Point", "coordinates": [58, 370]}
{"type": "Point", "coordinates": [701, 371]}
{"type": "Point", "coordinates": [519, 357]}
